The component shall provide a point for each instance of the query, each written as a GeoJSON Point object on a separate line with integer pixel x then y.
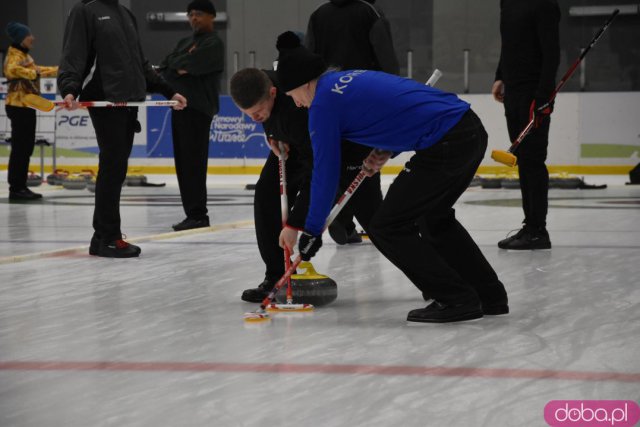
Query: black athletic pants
{"type": "Point", "coordinates": [190, 130]}
{"type": "Point", "coordinates": [266, 208]}
{"type": "Point", "coordinates": [23, 139]}
{"type": "Point", "coordinates": [532, 153]}
{"type": "Point", "coordinates": [368, 198]}
{"type": "Point", "coordinates": [114, 129]}
{"type": "Point", "coordinates": [443, 261]}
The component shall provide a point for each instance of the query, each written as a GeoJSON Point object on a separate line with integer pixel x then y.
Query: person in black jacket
{"type": "Point", "coordinates": [101, 45]}
{"type": "Point", "coordinates": [524, 81]}
{"type": "Point", "coordinates": [353, 35]}
{"type": "Point", "coordinates": [257, 95]}
{"type": "Point", "coordinates": [194, 69]}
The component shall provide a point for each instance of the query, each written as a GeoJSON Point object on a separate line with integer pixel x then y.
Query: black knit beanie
{"type": "Point", "coordinates": [296, 65]}
{"type": "Point", "coordinates": [203, 6]}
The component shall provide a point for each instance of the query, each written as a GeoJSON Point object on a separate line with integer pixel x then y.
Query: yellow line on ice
{"type": "Point", "coordinates": [150, 238]}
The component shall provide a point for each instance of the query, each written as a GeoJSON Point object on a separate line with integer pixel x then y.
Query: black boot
{"type": "Point", "coordinates": [260, 293]}
{"type": "Point", "coordinates": [528, 238]}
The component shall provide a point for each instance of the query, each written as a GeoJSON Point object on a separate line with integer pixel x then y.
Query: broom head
{"type": "Point", "coordinates": [38, 102]}
{"type": "Point", "coordinates": [504, 157]}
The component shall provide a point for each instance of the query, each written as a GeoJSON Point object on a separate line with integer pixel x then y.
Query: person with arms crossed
{"type": "Point", "coordinates": [194, 68]}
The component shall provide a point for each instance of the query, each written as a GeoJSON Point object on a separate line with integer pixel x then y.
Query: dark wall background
{"type": "Point", "coordinates": [436, 31]}
{"type": "Point", "coordinates": [10, 11]}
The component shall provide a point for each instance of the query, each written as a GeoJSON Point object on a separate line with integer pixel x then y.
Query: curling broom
{"type": "Point", "coordinates": [43, 104]}
{"type": "Point", "coordinates": [284, 209]}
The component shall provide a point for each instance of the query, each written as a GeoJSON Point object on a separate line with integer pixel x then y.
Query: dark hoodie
{"type": "Point", "coordinates": [352, 34]}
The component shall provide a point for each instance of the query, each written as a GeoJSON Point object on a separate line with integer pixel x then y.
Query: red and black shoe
{"type": "Point", "coordinates": [113, 249]}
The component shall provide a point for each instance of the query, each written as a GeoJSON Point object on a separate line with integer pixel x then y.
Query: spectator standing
{"type": "Point", "coordinates": [102, 59]}
{"type": "Point", "coordinates": [524, 82]}
{"type": "Point", "coordinates": [23, 77]}
{"type": "Point", "coordinates": [353, 35]}
{"type": "Point", "coordinates": [194, 68]}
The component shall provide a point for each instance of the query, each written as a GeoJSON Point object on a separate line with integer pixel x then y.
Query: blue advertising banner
{"type": "Point", "coordinates": [233, 135]}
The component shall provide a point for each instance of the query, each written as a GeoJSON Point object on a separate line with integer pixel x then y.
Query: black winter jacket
{"type": "Point", "coordinates": [101, 42]}
{"type": "Point", "coordinates": [352, 34]}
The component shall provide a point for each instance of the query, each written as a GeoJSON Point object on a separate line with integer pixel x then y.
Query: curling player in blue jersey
{"type": "Point", "coordinates": [393, 115]}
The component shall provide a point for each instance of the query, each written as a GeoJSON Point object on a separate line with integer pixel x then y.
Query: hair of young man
{"type": "Point", "coordinates": [250, 86]}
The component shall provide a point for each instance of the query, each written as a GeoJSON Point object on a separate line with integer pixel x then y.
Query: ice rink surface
{"type": "Point", "coordinates": [160, 340]}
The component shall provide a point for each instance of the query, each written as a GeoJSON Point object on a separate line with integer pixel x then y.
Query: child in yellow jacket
{"type": "Point", "coordinates": [23, 77]}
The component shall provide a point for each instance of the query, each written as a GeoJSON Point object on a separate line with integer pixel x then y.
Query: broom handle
{"type": "Point", "coordinates": [342, 201]}
{"type": "Point", "coordinates": [566, 77]}
{"type": "Point", "coordinates": [284, 210]}
{"type": "Point", "coordinates": [159, 103]}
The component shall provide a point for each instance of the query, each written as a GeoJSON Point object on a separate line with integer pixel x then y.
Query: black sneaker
{"type": "Point", "coordinates": [190, 223]}
{"type": "Point", "coordinates": [528, 238]}
{"type": "Point", "coordinates": [437, 312]}
{"type": "Point", "coordinates": [25, 195]}
{"type": "Point", "coordinates": [260, 293]}
{"type": "Point", "coordinates": [113, 249]}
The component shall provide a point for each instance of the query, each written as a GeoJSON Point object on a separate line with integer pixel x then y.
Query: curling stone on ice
{"type": "Point", "coordinates": [74, 182]}
{"type": "Point", "coordinates": [309, 287]}
{"type": "Point", "coordinates": [33, 179]}
{"type": "Point", "coordinates": [135, 180]}
{"type": "Point", "coordinates": [57, 176]}
{"type": "Point", "coordinates": [564, 181]}
{"type": "Point", "coordinates": [91, 184]}
{"type": "Point", "coordinates": [491, 182]}
{"type": "Point", "coordinates": [511, 181]}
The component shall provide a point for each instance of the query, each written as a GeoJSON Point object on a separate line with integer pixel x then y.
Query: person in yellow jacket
{"type": "Point", "coordinates": [23, 77]}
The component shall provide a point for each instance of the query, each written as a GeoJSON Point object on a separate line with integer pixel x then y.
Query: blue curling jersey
{"type": "Point", "coordinates": [375, 109]}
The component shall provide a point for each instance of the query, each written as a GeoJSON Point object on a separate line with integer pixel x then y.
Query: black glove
{"type": "Point", "coordinates": [540, 109]}
{"type": "Point", "coordinates": [308, 245]}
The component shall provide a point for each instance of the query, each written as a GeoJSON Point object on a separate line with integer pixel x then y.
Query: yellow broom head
{"type": "Point", "coordinates": [504, 157]}
{"type": "Point", "coordinates": [256, 317]}
{"type": "Point", "coordinates": [37, 102]}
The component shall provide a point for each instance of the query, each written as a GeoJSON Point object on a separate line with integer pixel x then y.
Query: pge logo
{"type": "Point", "coordinates": [592, 413]}
{"type": "Point", "coordinates": [73, 121]}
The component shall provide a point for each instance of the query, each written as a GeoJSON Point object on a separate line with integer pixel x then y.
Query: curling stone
{"type": "Point", "coordinates": [91, 184]}
{"type": "Point", "coordinates": [57, 176]}
{"type": "Point", "coordinates": [491, 182]}
{"type": "Point", "coordinates": [74, 182]}
{"type": "Point", "coordinates": [309, 287]}
{"type": "Point", "coordinates": [88, 174]}
{"type": "Point", "coordinates": [33, 179]}
{"type": "Point", "coordinates": [511, 181]}
{"type": "Point", "coordinates": [135, 180]}
{"type": "Point", "coordinates": [476, 181]}
{"type": "Point", "coordinates": [565, 181]}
